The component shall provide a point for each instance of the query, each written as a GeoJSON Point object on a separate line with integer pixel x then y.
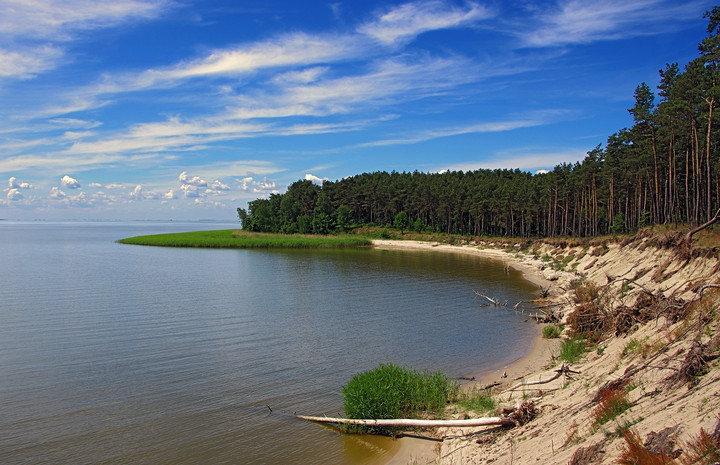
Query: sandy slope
{"type": "Point", "coordinates": [565, 421]}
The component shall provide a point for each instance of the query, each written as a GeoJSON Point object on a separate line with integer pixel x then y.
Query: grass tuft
{"type": "Point", "coordinates": [551, 332]}
{"type": "Point", "coordinates": [392, 391]}
{"type": "Point", "coordinates": [476, 400]}
{"type": "Point", "coordinates": [572, 349]}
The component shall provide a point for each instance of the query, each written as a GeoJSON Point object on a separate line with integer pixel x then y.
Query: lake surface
{"type": "Point", "coordinates": [113, 353]}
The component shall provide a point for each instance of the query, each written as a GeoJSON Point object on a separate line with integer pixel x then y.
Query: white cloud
{"type": "Point", "coordinates": [219, 186]}
{"type": "Point", "coordinates": [27, 26]}
{"type": "Point", "coordinates": [305, 76]}
{"type": "Point", "coordinates": [264, 187]}
{"type": "Point", "coordinates": [137, 193]}
{"type": "Point", "coordinates": [13, 183]}
{"type": "Point", "coordinates": [530, 120]}
{"type": "Point", "coordinates": [190, 191]}
{"type": "Point", "coordinates": [14, 195]}
{"type": "Point", "coordinates": [529, 161]}
{"type": "Point", "coordinates": [406, 21]}
{"type": "Point", "coordinates": [245, 183]}
{"type": "Point", "coordinates": [193, 181]}
{"type": "Point", "coordinates": [26, 63]}
{"type": "Point", "coordinates": [579, 21]}
{"type": "Point", "coordinates": [386, 83]}
{"type": "Point", "coordinates": [297, 49]}
{"type": "Point", "coordinates": [315, 179]}
{"type": "Point", "coordinates": [69, 183]}
{"type": "Point", "coordinates": [55, 19]}
{"type": "Point", "coordinates": [169, 195]}
{"type": "Point", "coordinates": [56, 194]}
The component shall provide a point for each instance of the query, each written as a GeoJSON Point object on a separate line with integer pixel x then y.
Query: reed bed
{"type": "Point", "coordinates": [392, 391]}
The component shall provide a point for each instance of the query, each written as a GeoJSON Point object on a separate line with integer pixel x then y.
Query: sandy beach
{"type": "Point", "coordinates": [645, 358]}
{"type": "Point", "coordinates": [540, 352]}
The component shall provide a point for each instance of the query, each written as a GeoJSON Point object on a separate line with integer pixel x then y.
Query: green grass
{"type": "Point", "coordinates": [572, 349]}
{"type": "Point", "coordinates": [392, 391]}
{"type": "Point", "coordinates": [551, 332]}
{"type": "Point", "coordinates": [476, 400]}
{"type": "Point", "coordinates": [235, 239]}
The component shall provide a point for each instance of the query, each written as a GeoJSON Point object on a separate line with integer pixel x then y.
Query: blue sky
{"type": "Point", "coordinates": [144, 109]}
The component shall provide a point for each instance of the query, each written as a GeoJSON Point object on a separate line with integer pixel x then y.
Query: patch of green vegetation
{"type": "Point", "coordinates": [234, 239]}
{"type": "Point", "coordinates": [552, 332]}
{"type": "Point", "coordinates": [572, 349]}
{"type": "Point", "coordinates": [392, 391]}
{"type": "Point", "coordinates": [476, 400]}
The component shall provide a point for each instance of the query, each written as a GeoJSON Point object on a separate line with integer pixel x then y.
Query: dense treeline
{"type": "Point", "coordinates": [663, 169]}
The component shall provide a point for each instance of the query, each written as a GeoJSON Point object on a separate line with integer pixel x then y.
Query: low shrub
{"type": "Point", "coordinates": [635, 453]}
{"type": "Point", "coordinates": [702, 450]}
{"type": "Point", "coordinates": [612, 403]}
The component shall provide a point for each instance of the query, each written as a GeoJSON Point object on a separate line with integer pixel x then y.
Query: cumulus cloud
{"type": "Point", "coordinates": [14, 195]}
{"type": "Point", "coordinates": [192, 181]}
{"type": "Point", "coordinates": [219, 186]}
{"type": "Point", "coordinates": [137, 193]}
{"type": "Point", "coordinates": [69, 183]}
{"type": "Point", "coordinates": [264, 187]}
{"type": "Point", "coordinates": [56, 194]}
{"type": "Point", "coordinates": [190, 191]}
{"type": "Point", "coordinates": [13, 183]}
{"type": "Point", "coordinates": [245, 183]}
{"type": "Point", "coordinates": [112, 185]}
{"type": "Point", "coordinates": [315, 179]}
{"type": "Point", "coordinates": [169, 195]}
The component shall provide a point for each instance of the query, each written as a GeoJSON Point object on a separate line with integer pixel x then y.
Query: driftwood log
{"type": "Point", "coordinates": [411, 422]}
{"type": "Point", "coordinates": [563, 370]}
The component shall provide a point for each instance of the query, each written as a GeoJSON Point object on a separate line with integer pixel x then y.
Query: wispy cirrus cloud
{"type": "Point", "coordinates": [578, 21]}
{"type": "Point", "coordinates": [533, 119]}
{"type": "Point", "coordinates": [405, 22]}
{"type": "Point", "coordinates": [299, 57]}
{"type": "Point", "coordinates": [31, 32]}
{"type": "Point", "coordinates": [528, 160]}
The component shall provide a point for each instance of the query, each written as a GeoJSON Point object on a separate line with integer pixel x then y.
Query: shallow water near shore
{"type": "Point", "coordinates": [113, 353]}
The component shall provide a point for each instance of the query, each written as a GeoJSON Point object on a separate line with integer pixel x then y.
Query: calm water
{"type": "Point", "coordinates": [114, 353]}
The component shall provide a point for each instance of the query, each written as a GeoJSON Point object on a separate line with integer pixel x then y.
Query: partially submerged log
{"type": "Point", "coordinates": [497, 303]}
{"type": "Point", "coordinates": [412, 422]}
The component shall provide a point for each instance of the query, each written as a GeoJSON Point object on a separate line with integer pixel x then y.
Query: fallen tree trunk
{"type": "Point", "coordinates": [712, 220]}
{"type": "Point", "coordinates": [505, 421]}
{"type": "Point", "coordinates": [563, 370]}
